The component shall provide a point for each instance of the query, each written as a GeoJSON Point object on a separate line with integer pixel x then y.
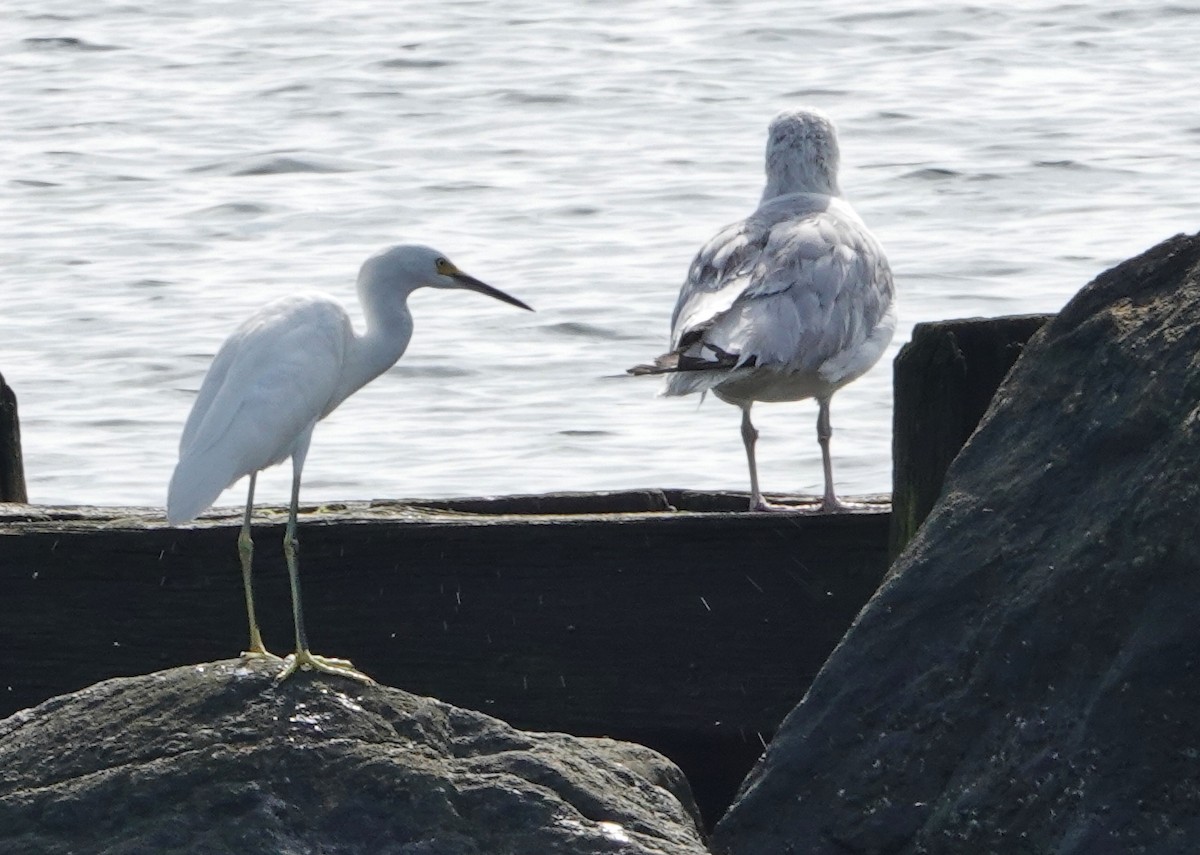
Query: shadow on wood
{"type": "Point", "coordinates": [12, 470]}
{"type": "Point", "coordinates": [691, 631]}
{"type": "Point", "coordinates": [944, 380]}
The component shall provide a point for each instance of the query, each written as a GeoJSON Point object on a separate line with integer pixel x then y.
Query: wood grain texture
{"type": "Point", "coordinates": [944, 381]}
{"type": "Point", "coordinates": [12, 469]}
{"type": "Point", "coordinates": [691, 632]}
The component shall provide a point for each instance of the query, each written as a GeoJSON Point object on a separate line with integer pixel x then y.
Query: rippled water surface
{"type": "Point", "coordinates": [169, 167]}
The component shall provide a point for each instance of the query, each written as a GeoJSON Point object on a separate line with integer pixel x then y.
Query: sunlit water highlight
{"type": "Point", "coordinates": [169, 168]}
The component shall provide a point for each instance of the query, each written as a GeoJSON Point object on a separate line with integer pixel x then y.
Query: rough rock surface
{"type": "Point", "coordinates": [1026, 679]}
{"type": "Point", "coordinates": [218, 759]}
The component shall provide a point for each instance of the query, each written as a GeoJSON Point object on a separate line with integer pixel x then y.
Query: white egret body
{"type": "Point", "coordinates": [283, 370]}
{"type": "Point", "coordinates": [793, 302]}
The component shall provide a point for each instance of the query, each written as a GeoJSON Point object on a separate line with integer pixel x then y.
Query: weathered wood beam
{"type": "Point", "coordinates": [12, 470]}
{"type": "Point", "coordinates": [944, 379]}
{"type": "Point", "coordinates": [692, 632]}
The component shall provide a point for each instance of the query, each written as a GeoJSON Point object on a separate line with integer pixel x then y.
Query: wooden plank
{"type": "Point", "coordinates": [944, 379]}
{"type": "Point", "coordinates": [12, 470]}
{"type": "Point", "coordinates": [692, 632]}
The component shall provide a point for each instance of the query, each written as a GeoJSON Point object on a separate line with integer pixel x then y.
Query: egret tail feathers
{"type": "Point", "coordinates": [195, 485]}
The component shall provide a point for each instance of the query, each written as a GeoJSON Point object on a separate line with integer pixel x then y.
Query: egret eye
{"type": "Point", "coordinates": [442, 265]}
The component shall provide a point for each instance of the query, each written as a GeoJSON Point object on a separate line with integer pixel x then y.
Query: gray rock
{"type": "Point", "coordinates": [216, 758]}
{"type": "Point", "coordinates": [1025, 680]}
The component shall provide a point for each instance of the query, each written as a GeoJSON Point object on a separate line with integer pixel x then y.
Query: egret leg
{"type": "Point", "coordinates": [303, 658]}
{"type": "Point", "coordinates": [830, 503]}
{"type": "Point", "coordinates": [749, 438]}
{"type": "Point", "coordinates": [246, 554]}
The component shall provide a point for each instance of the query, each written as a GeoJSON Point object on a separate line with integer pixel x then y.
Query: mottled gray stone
{"type": "Point", "coordinates": [217, 758]}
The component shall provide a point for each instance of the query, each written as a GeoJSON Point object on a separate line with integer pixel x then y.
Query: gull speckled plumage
{"type": "Point", "coordinates": [793, 302]}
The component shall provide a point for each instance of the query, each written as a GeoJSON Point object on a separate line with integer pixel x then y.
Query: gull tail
{"type": "Point", "coordinates": [665, 364]}
{"type": "Point", "coordinates": [711, 358]}
{"type": "Point", "coordinates": [685, 374]}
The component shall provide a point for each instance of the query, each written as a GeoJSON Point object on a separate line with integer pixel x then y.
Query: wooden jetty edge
{"type": "Point", "coordinates": [671, 618]}
{"type": "Point", "coordinates": [693, 632]}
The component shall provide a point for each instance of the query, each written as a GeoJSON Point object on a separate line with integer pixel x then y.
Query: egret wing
{"type": "Point", "coordinates": [270, 382]}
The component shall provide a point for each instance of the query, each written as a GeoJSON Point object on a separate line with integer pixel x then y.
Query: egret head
{"type": "Point", "coordinates": [802, 154]}
{"type": "Point", "coordinates": [410, 266]}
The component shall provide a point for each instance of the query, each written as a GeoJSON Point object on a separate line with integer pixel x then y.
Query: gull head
{"type": "Point", "coordinates": [802, 154]}
{"type": "Point", "coordinates": [410, 266]}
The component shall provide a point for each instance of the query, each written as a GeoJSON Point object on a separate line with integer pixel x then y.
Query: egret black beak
{"type": "Point", "coordinates": [473, 284]}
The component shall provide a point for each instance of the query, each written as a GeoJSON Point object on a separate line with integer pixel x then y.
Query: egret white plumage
{"type": "Point", "coordinates": [284, 369]}
{"type": "Point", "coordinates": [793, 302]}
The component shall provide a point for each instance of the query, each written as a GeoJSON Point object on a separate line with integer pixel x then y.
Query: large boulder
{"type": "Point", "coordinates": [1025, 680]}
{"type": "Point", "coordinates": [218, 758]}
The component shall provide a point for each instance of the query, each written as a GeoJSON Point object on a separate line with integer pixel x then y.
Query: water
{"type": "Point", "coordinates": [168, 168]}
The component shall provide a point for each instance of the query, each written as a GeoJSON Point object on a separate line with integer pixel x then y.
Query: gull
{"type": "Point", "coordinates": [284, 369]}
{"type": "Point", "coordinates": [793, 302]}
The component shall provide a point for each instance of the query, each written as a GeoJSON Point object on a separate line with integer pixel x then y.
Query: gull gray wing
{"type": "Point", "coordinates": [793, 286]}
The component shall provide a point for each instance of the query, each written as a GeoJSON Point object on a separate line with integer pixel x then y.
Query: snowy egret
{"type": "Point", "coordinates": [284, 369]}
{"type": "Point", "coordinates": [793, 302]}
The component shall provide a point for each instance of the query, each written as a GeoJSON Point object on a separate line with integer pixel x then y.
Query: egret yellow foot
{"type": "Point", "coordinates": [303, 660]}
{"type": "Point", "coordinates": [334, 662]}
{"type": "Point", "coordinates": [262, 653]}
{"type": "Point", "coordinates": [257, 649]}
